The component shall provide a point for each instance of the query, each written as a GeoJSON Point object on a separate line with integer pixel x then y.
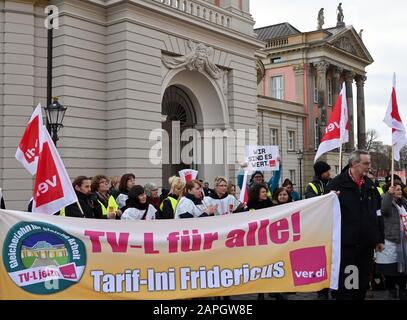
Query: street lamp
{"type": "Point", "coordinates": [55, 116]}
{"type": "Point", "coordinates": [300, 156]}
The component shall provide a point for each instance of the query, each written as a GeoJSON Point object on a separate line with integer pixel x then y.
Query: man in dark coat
{"type": "Point", "coordinates": [81, 185]}
{"type": "Point", "coordinates": [360, 230]}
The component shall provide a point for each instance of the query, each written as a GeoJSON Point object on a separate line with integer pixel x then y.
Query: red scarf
{"type": "Point", "coordinates": [359, 182]}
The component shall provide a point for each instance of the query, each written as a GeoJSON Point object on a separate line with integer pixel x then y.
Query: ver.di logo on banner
{"type": "Point", "coordinates": [36, 253]}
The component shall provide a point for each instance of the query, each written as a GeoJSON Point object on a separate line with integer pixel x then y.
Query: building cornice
{"type": "Point", "coordinates": [190, 19]}
{"type": "Point", "coordinates": [265, 103]}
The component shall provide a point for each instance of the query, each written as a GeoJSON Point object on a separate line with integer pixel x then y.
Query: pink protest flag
{"type": "Point", "coordinates": [337, 130]}
{"type": "Point", "coordinates": [393, 120]}
{"type": "Point", "coordinates": [29, 148]}
{"type": "Point", "coordinates": [187, 175]}
{"type": "Point", "coordinates": [53, 189]}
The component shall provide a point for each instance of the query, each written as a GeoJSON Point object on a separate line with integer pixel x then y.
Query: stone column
{"type": "Point", "coordinates": [349, 75]}
{"type": "Point", "coordinates": [299, 71]}
{"type": "Point", "coordinates": [322, 68]}
{"type": "Point", "coordinates": [360, 84]}
{"type": "Point", "coordinates": [336, 83]}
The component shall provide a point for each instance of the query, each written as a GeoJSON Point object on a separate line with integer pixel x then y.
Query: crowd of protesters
{"type": "Point", "coordinates": [373, 218]}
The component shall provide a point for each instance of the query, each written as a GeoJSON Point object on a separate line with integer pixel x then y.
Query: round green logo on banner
{"type": "Point", "coordinates": [43, 259]}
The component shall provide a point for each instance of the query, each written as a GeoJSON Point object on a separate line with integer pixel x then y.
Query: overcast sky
{"type": "Point", "coordinates": [384, 36]}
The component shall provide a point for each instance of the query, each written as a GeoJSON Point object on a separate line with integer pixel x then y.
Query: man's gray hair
{"type": "Point", "coordinates": [355, 156]}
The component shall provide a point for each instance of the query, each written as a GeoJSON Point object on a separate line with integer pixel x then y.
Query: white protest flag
{"type": "Point", "coordinates": [29, 148]}
{"type": "Point", "coordinates": [187, 175]}
{"type": "Point", "coordinates": [53, 189]}
{"type": "Point", "coordinates": [337, 130]}
{"type": "Point", "coordinates": [393, 120]}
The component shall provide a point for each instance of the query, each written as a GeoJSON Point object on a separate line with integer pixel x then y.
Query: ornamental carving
{"type": "Point", "coordinates": [198, 59]}
{"type": "Point", "coordinates": [346, 45]}
{"type": "Point", "coordinates": [261, 70]}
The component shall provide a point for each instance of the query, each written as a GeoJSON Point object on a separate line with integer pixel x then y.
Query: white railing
{"type": "Point", "coordinates": [202, 11]}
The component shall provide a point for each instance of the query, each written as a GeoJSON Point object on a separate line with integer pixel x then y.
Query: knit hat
{"type": "Point", "coordinates": [320, 167]}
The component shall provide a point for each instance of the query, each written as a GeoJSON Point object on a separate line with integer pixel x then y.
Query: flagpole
{"type": "Point", "coordinates": [340, 158]}
{"type": "Point", "coordinates": [392, 165]}
{"type": "Point", "coordinates": [80, 208]}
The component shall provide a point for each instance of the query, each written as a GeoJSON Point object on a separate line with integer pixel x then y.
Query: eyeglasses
{"type": "Point", "coordinates": [154, 190]}
{"type": "Point", "coordinates": [103, 181]}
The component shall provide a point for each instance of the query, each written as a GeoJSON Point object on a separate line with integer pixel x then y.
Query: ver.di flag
{"type": "Point", "coordinates": [393, 120]}
{"type": "Point", "coordinates": [337, 130]}
{"type": "Point", "coordinates": [29, 148]}
{"type": "Point", "coordinates": [53, 189]}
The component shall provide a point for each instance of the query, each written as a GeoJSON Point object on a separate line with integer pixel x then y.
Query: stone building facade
{"type": "Point", "coordinates": [124, 69]}
{"type": "Point", "coordinates": [308, 69]}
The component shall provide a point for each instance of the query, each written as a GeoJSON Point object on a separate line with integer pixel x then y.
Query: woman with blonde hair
{"type": "Point", "coordinates": [226, 203]}
{"type": "Point", "coordinates": [169, 204]}
{"type": "Point", "coordinates": [114, 186]}
{"type": "Point", "coordinates": [190, 205]}
{"type": "Point", "coordinates": [232, 189]}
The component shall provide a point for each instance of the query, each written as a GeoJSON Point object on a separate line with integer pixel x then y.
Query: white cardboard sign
{"type": "Point", "coordinates": [263, 158]}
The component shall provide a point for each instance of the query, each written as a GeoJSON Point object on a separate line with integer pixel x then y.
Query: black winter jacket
{"type": "Point", "coordinates": [86, 205]}
{"type": "Point", "coordinates": [359, 207]}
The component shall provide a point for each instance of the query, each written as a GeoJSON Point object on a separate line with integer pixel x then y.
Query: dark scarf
{"type": "Point", "coordinates": [214, 195]}
{"type": "Point", "coordinates": [132, 203]}
{"type": "Point", "coordinates": [155, 202]}
{"type": "Point", "coordinates": [103, 198]}
{"type": "Point", "coordinates": [256, 205]}
{"type": "Point", "coordinates": [193, 199]}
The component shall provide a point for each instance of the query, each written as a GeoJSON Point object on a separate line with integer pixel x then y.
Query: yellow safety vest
{"type": "Point", "coordinates": [315, 189]}
{"type": "Point", "coordinates": [111, 204]}
{"type": "Point", "coordinates": [62, 211]}
{"type": "Point", "coordinates": [173, 201]}
{"type": "Point", "coordinates": [380, 191]}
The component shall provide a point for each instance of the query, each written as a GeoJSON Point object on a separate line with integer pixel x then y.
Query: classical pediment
{"type": "Point", "coordinates": [349, 41]}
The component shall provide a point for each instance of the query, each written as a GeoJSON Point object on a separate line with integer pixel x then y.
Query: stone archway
{"type": "Point", "coordinates": [179, 113]}
{"type": "Point", "coordinates": [205, 103]}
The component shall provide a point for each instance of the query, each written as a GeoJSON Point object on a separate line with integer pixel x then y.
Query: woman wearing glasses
{"type": "Point", "coordinates": [105, 204]}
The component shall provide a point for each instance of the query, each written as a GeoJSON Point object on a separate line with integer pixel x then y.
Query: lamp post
{"type": "Point", "coordinates": [300, 156]}
{"type": "Point", "coordinates": [55, 116]}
